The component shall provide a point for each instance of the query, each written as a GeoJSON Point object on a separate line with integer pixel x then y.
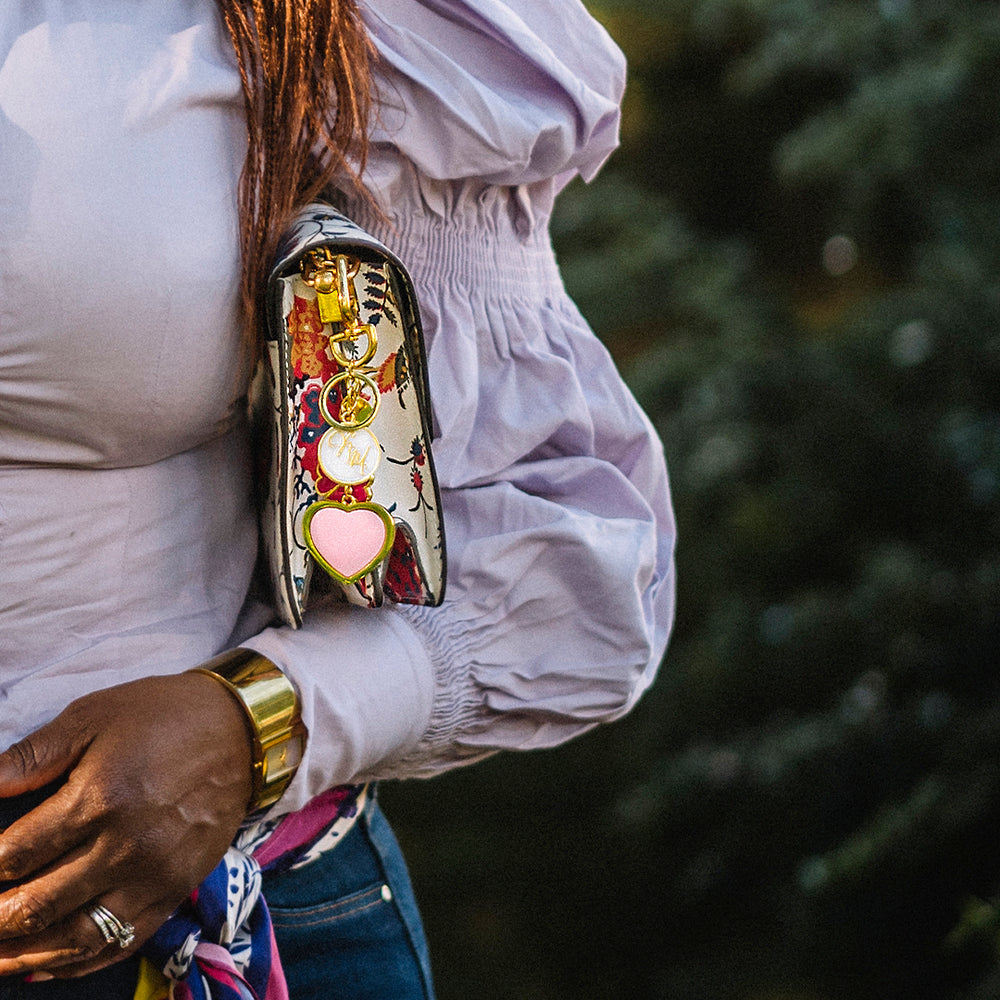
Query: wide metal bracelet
{"type": "Point", "coordinates": [272, 709]}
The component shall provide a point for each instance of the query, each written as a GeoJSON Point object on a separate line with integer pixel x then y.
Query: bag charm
{"type": "Point", "coordinates": [343, 390]}
{"type": "Point", "coordinates": [347, 537]}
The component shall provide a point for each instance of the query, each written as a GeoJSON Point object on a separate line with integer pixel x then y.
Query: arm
{"type": "Point", "coordinates": [559, 603]}
{"type": "Point", "coordinates": [559, 528]}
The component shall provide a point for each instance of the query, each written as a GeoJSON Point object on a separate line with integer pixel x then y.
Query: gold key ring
{"type": "Point", "coordinates": [356, 381]}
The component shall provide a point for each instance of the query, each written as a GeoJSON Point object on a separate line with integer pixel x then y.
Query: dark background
{"type": "Point", "coordinates": [794, 259]}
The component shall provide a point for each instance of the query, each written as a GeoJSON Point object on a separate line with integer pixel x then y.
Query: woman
{"type": "Point", "coordinates": [126, 523]}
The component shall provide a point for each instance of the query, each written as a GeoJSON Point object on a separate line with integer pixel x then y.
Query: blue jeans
{"type": "Point", "coordinates": [347, 927]}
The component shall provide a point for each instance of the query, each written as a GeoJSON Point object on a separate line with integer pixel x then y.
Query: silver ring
{"type": "Point", "coordinates": [112, 929]}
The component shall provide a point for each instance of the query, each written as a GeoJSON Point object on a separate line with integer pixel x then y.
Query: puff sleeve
{"type": "Point", "coordinates": [560, 532]}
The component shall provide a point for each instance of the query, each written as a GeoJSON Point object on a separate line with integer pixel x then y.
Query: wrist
{"type": "Point", "coordinates": [271, 711]}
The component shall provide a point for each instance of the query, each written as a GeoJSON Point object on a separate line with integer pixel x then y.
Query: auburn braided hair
{"type": "Point", "coordinates": [306, 72]}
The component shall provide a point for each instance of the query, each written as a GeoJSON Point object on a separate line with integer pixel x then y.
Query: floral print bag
{"type": "Point", "coordinates": [341, 407]}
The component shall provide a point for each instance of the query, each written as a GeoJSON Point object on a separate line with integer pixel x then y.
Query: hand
{"type": "Point", "coordinates": [158, 780]}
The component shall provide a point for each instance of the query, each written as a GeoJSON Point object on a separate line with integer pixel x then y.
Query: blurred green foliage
{"type": "Point", "coordinates": [794, 260]}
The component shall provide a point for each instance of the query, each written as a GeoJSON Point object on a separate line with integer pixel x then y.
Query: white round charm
{"type": "Point", "coordinates": [349, 457]}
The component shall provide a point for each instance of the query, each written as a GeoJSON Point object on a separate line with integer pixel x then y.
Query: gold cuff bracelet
{"type": "Point", "coordinates": [272, 710]}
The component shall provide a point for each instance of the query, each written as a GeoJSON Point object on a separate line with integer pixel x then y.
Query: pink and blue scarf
{"type": "Point", "coordinates": [220, 944]}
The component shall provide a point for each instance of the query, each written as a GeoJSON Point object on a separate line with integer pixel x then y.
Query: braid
{"type": "Point", "coordinates": [305, 67]}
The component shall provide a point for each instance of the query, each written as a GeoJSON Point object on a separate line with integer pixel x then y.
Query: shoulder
{"type": "Point", "coordinates": [529, 85]}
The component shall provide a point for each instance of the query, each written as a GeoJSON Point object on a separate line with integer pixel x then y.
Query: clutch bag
{"type": "Point", "coordinates": [342, 410]}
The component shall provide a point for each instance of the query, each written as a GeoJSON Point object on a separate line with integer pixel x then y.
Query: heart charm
{"type": "Point", "coordinates": [348, 540]}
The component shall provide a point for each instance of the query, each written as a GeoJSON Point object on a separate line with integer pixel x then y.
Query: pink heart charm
{"type": "Point", "coordinates": [348, 540]}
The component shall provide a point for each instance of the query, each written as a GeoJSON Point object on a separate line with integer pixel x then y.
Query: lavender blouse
{"type": "Point", "coordinates": [127, 536]}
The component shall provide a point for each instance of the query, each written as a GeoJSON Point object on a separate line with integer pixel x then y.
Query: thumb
{"type": "Point", "coordinates": [41, 757]}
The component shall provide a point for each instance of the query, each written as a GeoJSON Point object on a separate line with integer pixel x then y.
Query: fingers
{"type": "Point", "coordinates": [29, 910]}
{"type": "Point", "coordinates": [61, 946]}
{"type": "Point", "coordinates": [45, 900]}
{"type": "Point", "coordinates": [40, 837]}
{"type": "Point", "coordinates": [76, 945]}
{"type": "Point", "coordinates": [145, 923]}
{"type": "Point", "coordinates": [42, 757]}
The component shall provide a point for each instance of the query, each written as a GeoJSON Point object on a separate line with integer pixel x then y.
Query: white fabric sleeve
{"type": "Point", "coordinates": [506, 91]}
{"type": "Point", "coordinates": [558, 523]}
{"type": "Point", "coordinates": [560, 598]}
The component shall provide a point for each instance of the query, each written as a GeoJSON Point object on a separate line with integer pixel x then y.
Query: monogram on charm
{"type": "Point", "coordinates": [349, 457]}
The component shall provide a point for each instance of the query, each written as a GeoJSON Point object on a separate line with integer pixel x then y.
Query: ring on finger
{"type": "Point", "coordinates": [112, 929]}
